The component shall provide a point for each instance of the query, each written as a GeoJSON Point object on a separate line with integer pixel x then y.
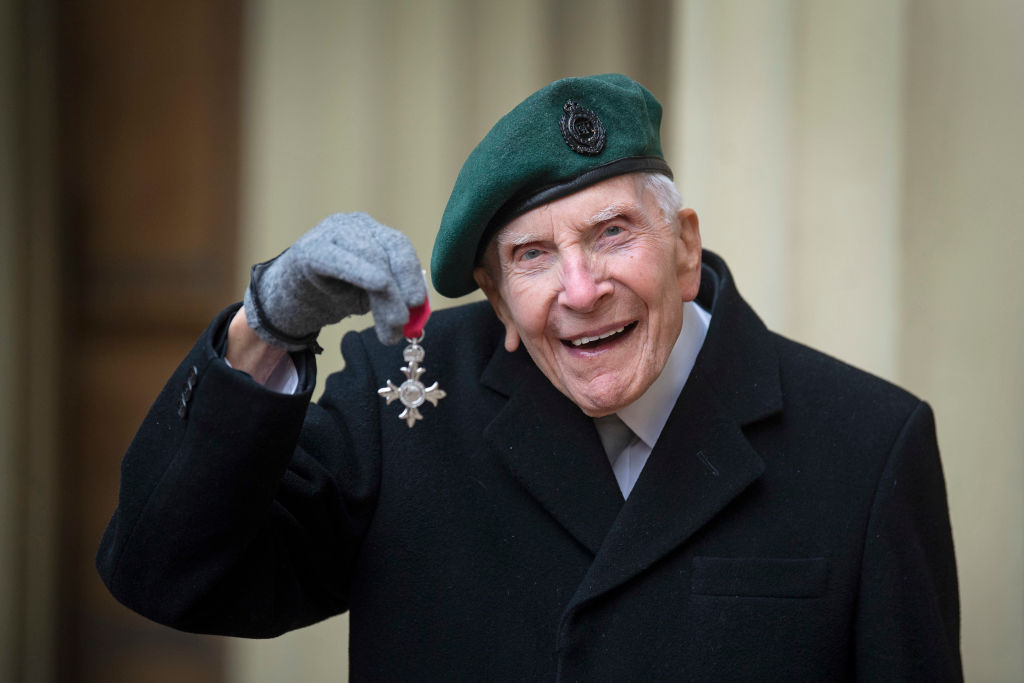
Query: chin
{"type": "Point", "coordinates": [603, 406]}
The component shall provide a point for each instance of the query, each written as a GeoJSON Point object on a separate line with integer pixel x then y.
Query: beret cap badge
{"type": "Point", "coordinates": [582, 129]}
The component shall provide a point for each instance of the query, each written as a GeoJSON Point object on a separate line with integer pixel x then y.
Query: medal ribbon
{"type": "Point", "coordinates": [417, 319]}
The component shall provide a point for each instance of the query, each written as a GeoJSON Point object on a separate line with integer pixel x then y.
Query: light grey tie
{"type": "Point", "coordinates": [615, 435]}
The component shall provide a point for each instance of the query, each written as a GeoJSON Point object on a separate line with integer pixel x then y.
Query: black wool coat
{"type": "Point", "coordinates": [790, 524]}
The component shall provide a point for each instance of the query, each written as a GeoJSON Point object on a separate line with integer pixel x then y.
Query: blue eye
{"type": "Point", "coordinates": [530, 254]}
{"type": "Point", "coordinates": [613, 230]}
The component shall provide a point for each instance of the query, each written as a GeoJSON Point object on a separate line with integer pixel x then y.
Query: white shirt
{"type": "Point", "coordinates": [647, 415]}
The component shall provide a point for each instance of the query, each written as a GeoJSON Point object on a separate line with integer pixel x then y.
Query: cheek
{"type": "Point", "coordinates": [528, 307]}
{"type": "Point", "coordinates": [650, 277]}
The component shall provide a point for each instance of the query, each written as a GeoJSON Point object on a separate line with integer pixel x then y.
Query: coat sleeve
{"type": "Point", "coordinates": [908, 616]}
{"type": "Point", "coordinates": [240, 509]}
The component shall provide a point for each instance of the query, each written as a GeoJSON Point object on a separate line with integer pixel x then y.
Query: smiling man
{"type": "Point", "coordinates": [628, 478]}
{"type": "Point", "coordinates": [593, 285]}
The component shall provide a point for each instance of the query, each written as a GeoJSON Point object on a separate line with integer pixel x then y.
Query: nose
{"type": "Point", "coordinates": [583, 284]}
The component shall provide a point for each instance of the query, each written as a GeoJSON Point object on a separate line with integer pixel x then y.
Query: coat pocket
{"type": "Point", "coordinates": [763, 577]}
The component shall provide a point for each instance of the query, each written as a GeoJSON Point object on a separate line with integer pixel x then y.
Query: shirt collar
{"type": "Point", "coordinates": [647, 415]}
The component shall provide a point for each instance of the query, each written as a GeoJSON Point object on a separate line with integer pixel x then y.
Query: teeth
{"type": "Point", "coordinates": [586, 340]}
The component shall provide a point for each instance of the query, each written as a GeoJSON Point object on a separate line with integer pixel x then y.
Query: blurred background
{"type": "Point", "coordinates": [860, 164]}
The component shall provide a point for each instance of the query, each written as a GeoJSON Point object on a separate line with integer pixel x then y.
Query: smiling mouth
{"type": "Point", "coordinates": [594, 342]}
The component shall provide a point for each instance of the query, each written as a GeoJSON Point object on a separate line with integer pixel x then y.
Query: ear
{"type": "Point", "coordinates": [689, 257]}
{"type": "Point", "coordinates": [484, 281]}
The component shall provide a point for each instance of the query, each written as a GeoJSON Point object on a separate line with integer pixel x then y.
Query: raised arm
{"type": "Point", "coordinates": [232, 515]}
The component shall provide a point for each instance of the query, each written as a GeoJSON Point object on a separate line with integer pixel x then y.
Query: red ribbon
{"type": "Point", "coordinates": [417, 319]}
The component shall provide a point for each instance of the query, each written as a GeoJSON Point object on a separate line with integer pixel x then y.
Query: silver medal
{"type": "Point", "coordinates": [412, 393]}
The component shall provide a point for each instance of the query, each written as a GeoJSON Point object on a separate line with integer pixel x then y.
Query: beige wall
{"type": "Point", "coordinates": [858, 163]}
{"type": "Point", "coordinates": [790, 121]}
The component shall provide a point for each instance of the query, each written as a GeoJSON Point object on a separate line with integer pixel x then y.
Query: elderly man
{"type": "Point", "coordinates": [626, 476]}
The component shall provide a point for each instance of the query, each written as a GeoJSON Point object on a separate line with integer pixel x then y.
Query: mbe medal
{"type": "Point", "coordinates": [412, 393]}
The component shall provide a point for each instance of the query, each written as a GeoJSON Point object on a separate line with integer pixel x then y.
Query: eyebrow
{"type": "Point", "coordinates": [503, 239]}
{"type": "Point", "coordinates": [607, 214]}
{"type": "Point", "coordinates": [628, 211]}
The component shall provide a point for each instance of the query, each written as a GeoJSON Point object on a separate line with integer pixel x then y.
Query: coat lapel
{"type": "Point", "coordinates": [702, 460]}
{"type": "Point", "coordinates": [552, 448]}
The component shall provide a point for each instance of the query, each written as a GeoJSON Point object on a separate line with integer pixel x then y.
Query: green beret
{"type": "Point", "coordinates": [561, 139]}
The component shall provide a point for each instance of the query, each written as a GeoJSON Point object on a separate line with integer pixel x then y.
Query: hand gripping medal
{"type": "Point", "coordinates": [412, 393]}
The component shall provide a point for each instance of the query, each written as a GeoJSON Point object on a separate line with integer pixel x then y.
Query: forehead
{"type": "Point", "coordinates": [603, 201]}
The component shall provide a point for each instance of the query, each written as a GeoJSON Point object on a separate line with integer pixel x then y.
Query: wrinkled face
{"type": "Point", "coordinates": [593, 284]}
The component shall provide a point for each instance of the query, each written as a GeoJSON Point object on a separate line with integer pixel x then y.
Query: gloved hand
{"type": "Point", "coordinates": [348, 264]}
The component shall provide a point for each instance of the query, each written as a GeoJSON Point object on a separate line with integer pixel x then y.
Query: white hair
{"type": "Point", "coordinates": [665, 193]}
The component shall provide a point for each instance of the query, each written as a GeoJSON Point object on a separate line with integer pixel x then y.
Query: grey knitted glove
{"type": "Point", "coordinates": [348, 264]}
